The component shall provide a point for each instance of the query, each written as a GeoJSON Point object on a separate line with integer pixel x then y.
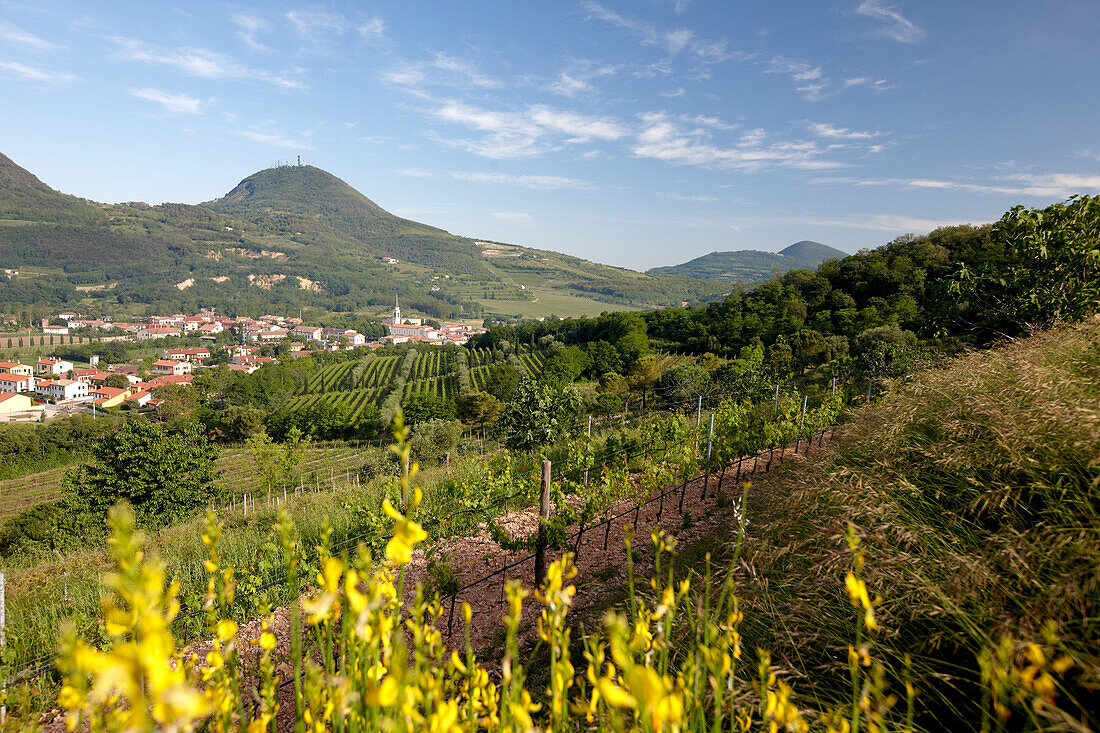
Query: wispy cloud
{"type": "Point", "coordinates": [662, 138]}
{"type": "Point", "coordinates": [372, 28]}
{"type": "Point", "coordinates": [277, 140]}
{"type": "Point", "coordinates": [316, 25]}
{"type": "Point", "coordinates": [577, 79]}
{"type": "Point", "coordinates": [672, 42]}
{"type": "Point", "coordinates": [833, 132]}
{"type": "Point", "coordinates": [533, 131]}
{"type": "Point", "coordinates": [1046, 185]}
{"type": "Point", "coordinates": [26, 72]}
{"type": "Point", "coordinates": [513, 217]}
{"type": "Point", "coordinates": [180, 103]}
{"type": "Point", "coordinates": [698, 198]}
{"type": "Point", "coordinates": [532, 181]}
{"type": "Point", "coordinates": [249, 28]}
{"type": "Point", "coordinates": [14, 34]}
{"type": "Point", "coordinates": [442, 70]}
{"type": "Point", "coordinates": [890, 23]}
{"type": "Point", "coordinates": [810, 80]}
{"type": "Point", "coordinates": [203, 62]}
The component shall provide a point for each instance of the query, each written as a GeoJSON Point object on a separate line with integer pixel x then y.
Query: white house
{"type": "Point", "coordinates": [156, 332]}
{"type": "Point", "coordinates": [54, 367]}
{"type": "Point", "coordinates": [168, 366]}
{"type": "Point", "coordinates": [15, 367]}
{"type": "Point", "coordinates": [61, 390]}
{"type": "Point", "coordinates": [15, 382]}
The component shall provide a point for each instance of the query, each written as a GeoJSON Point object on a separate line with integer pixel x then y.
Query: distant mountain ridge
{"type": "Point", "coordinates": [289, 237]}
{"type": "Point", "coordinates": [751, 266]}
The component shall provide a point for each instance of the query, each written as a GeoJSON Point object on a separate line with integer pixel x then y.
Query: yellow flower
{"type": "Point", "coordinates": [227, 629]}
{"type": "Point", "coordinates": [406, 533]}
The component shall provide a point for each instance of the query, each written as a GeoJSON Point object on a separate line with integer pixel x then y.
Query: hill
{"type": "Point", "coordinates": [752, 266]}
{"type": "Point", "coordinates": [287, 238]}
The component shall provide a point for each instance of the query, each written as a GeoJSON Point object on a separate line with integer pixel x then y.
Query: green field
{"type": "Point", "coordinates": [547, 303]}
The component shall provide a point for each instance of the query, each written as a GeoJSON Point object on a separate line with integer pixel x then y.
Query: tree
{"type": "Point", "coordinates": [118, 381]}
{"type": "Point", "coordinates": [165, 476]}
{"type": "Point", "coordinates": [565, 365]}
{"type": "Point", "coordinates": [477, 408]}
{"type": "Point", "coordinates": [237, 423]}
{"type": "Point", "coordinates": [540, 415]}
{"type": "Point", "coordinates": [1052, 272]}
{"type": "Point", "coordinates": [644, 375]}
{"type": "Point", "coordinates": [501, 381]}
{"type": "Point", "coordinates": [267, 457]}
{"type": "Point", "coordinates": [885, 351]}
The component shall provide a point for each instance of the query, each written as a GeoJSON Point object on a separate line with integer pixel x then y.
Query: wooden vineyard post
{"type": "Point", "coordinates": [544, 515]}
{"type": "Point", "coordinates": [586, 467]}
{"type": "Point", "coordinates": [607, 530]}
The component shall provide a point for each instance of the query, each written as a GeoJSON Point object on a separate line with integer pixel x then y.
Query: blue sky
{"type": "Point", "coordinates": [637, 134]}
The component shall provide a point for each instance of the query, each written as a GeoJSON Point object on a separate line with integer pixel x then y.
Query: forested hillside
{"type": "Point", "coordinates": [966, 284]}
{"type": "Point", "coordinates": [751, 266]}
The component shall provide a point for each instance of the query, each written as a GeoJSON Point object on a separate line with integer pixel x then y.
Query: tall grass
{"type": "Point", "coordinates": [977, 491]}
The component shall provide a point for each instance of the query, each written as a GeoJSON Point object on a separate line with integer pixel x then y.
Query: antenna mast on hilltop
{"type": "Point", "coordinates": [299, 161]}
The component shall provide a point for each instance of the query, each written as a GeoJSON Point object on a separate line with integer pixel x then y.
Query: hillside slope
{"type": "Point", "coordinates": [975, 494]}
{"type": "Point", "coordinates": [752, 266]}
{"type": "Point", "coordinates": [287, 238]}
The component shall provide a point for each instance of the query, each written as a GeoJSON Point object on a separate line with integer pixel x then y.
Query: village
{"type": "Point", "coordinates": [53, 386]}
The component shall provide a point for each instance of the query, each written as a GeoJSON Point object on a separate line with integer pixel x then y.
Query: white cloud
{"type": "Point", "coordinates": [513, 217]}
{"type": "Point", "coordinates": [662, 138]}
{"type": "Point", "coordinates": [699, 198]}
{"type": "Point", "coordinates": [567, 86]}
{"type": "Point", "coordinates": [891, 23]}
{"type": "Point", "coordinates": [537, 182]}
{"type": "Point", "coordinates": [249, 28]}
{"type": "Point", "coordinates": [277, 140]}
{"type": "Point", "coordinates": [372, 28]}
{"type": "Point", "coordinates": [15, 34]}
{"type": "Point", "coordinates": [580, 128]}
{"type": "Point", "coordinates": [577, 79]}
{"type": "Point", "coordinates": [832, 132]}
{"type": "Point", "coordinates": [672, 42]}
{"type": "Point", "coordinates": [316, 25]}
{"type": "Point", "coordinates": [809, 79]}
{"type": "Point", "coordinates": [532, 181]}
{"type": "Point", "coordinates": [26, 72]}
{"type": "Point", "coordinates": [1044, 185]}
{"type": "Point", "coordinates": [172, 102]}
{"type": "Point", "coordinates": [202, 62]}
{"type": "Point", "coordinates": [442, 70]}
{"type": "Point", "coordinates": [531, 132]}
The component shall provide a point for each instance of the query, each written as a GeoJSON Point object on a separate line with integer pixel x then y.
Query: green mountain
{"type": "Point", "coordinates": [752, 266]}
{"type": "Point", "coordinates": [287, 238]}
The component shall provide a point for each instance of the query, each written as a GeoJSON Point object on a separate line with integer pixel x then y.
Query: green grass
{"type": "Point", "coordinates": [976, 495]}
{"type": "Point", "coordinates": [547, 302]}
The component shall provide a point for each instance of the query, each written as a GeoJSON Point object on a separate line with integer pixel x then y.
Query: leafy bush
{"type": "Point", "coordinates": [432, 440]}
{"type": "Point", "coordinates": [164, 476]}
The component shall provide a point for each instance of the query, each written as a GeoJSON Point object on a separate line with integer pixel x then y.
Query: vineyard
{"type": "Point", "coordinates": [370, 371]}
{"type": "Point", "coordinates": [236, 469]}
